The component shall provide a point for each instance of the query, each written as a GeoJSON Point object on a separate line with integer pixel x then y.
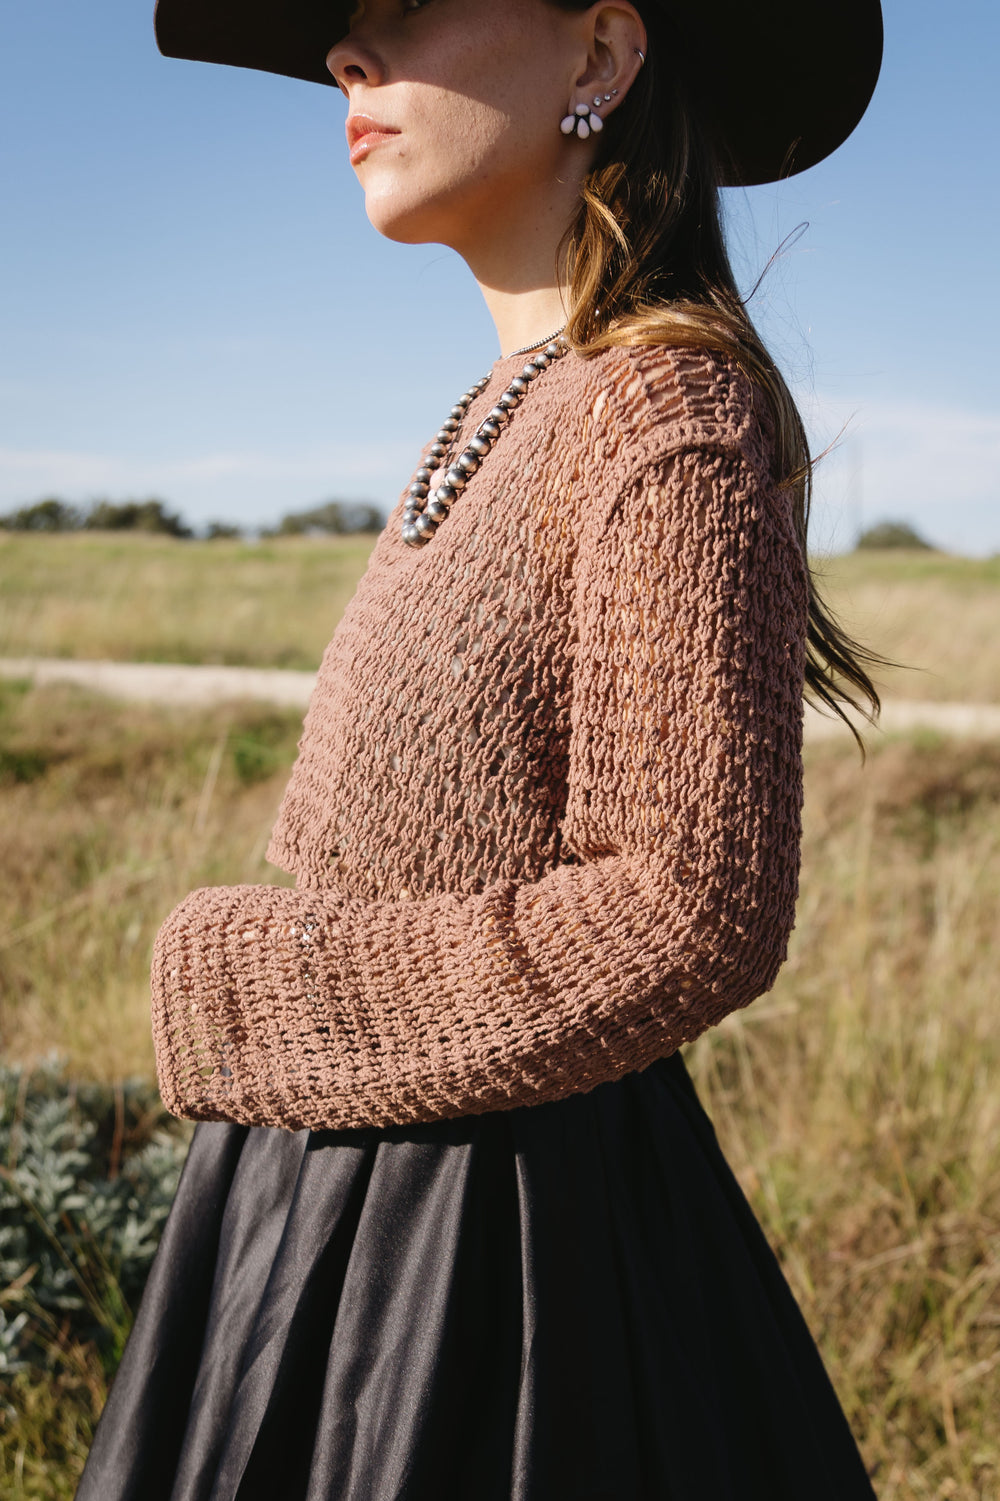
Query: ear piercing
{"type": "Point", "coordinates": [583, 121]}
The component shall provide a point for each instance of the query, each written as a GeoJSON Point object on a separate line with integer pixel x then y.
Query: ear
{"type": "Point", "coordinates": [616, 45]}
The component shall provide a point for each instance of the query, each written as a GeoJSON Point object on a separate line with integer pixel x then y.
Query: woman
{"type": "Point", "coordinates": [460, 1229]}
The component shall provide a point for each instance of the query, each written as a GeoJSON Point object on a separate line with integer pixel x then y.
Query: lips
{"type": "Point", "coordinates": [363, 133]}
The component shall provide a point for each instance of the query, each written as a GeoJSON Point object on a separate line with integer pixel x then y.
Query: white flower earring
{"type": "Point", "coordinates": [584, 121]}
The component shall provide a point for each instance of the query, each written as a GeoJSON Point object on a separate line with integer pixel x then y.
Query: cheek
{"type": "Point", "coordinates": [462, 135]}
{"type": "Point", "coordinates": [459, 145]}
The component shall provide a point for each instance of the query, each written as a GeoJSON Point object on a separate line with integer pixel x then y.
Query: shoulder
{"type": "Point", "coordinates": [682, 443]}
{"type": "Point", "coordinates": [649, 402]}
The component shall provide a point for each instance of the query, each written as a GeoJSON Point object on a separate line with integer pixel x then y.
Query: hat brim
{"type": "Point", "coordinates": [786, 81]}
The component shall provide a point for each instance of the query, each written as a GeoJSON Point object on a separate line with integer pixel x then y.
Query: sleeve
{"type": "Point", "coordinates": [307, 1009]}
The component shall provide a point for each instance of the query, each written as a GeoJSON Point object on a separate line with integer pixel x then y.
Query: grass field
{"type": "Point", "coordinates": [109, 815]}
{"type": "Point", "coordinates": [858, 1101]}
{"type": "Point", "coordinates": [152, 599]}
{"type": "Point", "coordinates": [940, 615]}
{"type": "Point", "coordinates": [136, 598]}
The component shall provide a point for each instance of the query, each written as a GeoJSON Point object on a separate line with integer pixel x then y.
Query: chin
{"type": "Point", "coordinates": [402, 228]}
{"type": "Point", "coordinates": [413, 223]}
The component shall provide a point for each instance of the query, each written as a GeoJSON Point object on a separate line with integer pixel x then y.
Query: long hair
{"type": "Point", "coordinates": [647, 263]}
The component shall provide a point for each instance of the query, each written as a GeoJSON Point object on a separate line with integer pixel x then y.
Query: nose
{"type": "Point", "coordinates": [352, 61]}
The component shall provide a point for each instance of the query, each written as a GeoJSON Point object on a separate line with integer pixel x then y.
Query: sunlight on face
{"type": "Point", "coordinates": [468, 95]}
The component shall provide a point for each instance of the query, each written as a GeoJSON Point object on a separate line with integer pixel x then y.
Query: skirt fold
{"type": "Point", "coordinates": [567, 1302]}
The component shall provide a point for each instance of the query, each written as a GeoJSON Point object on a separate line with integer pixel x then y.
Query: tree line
{"type": "Point", "coordinates": [330, 518]}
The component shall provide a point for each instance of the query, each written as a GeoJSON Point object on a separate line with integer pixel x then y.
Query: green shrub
{"type": "Point", "coordinates": [87, 1176]}
{"type": "Point", "coordinates": [893, 534]}
{"type": "Point", "coordinates": [135, 516]}
{"type": "Point", "coordinates": [43, 516]}
{"type": "Point", "coordinates": [331, 519]}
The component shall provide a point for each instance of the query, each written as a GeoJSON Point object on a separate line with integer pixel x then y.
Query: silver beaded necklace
{"type": "Point", "coordinates": [424, 512]}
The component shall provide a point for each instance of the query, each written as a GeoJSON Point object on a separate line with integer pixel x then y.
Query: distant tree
{"type": "Point", "coordinates": [135, 516]}
{"type": "Point", "coordinates": [893, 534]}
{"type": "Point", "coordinates": [44, 516]}
{"type": "Point", "coordinates": [332, 518]}
{"type": "Point", "coordinates": [222, 531]}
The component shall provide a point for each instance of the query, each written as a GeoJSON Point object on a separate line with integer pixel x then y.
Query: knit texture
{"type": "Point", "coordinates": [545, 817]}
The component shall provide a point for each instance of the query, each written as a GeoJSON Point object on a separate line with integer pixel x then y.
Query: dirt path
{"type": "Point", "coordinates": [166, 683]}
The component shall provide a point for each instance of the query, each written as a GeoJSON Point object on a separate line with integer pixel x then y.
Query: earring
{"type": "Point", "coordinates": [583, 121]}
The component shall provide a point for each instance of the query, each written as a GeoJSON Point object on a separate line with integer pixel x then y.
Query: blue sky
{"type": "Point", "coordinates": [193, 304]}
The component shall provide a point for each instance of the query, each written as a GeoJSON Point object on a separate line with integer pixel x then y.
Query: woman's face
{"type": "Point", "coordinates": [455, 108]}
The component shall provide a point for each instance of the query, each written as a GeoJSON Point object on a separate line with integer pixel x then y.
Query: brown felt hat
{"type": "Point", "coordinates": [788, 80]}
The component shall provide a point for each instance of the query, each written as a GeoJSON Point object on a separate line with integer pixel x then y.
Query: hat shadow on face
{"type": "Point", "coordinates": [784, 81]}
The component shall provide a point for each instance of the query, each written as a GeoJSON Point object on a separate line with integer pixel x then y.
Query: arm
{"type": "Point", "coordinates": [300, 1008]}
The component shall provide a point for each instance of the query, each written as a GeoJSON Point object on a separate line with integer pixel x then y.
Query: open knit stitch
{"type": "Point", "coordinates": [545, 817]}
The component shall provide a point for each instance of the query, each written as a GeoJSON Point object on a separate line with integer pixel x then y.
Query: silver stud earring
{"type": "Point", "coordinates": [582, 121]}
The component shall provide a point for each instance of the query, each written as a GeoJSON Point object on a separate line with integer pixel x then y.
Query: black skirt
{"type": "Point", "coordinates": [566, 1302]}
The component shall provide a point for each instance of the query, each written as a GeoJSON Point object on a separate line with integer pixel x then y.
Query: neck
{"type": "Point", "coordinates": [525, 318]}
{"type": "Point", "coordinates": [515, 268]}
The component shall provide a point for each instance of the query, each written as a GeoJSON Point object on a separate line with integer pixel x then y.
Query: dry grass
{"type": "Point", "coordinates": [46, 1427]}
{"type": "Point", "coordinates": [938, 614]}
{"type": "Point", "coordinates": [154, 599]}
{"type": "Point", "coordinates": [858, 1102]}
{"type": "Point", "coordinates": [136, 598]}
{"type": "Point", "coordinates": [109, 816]}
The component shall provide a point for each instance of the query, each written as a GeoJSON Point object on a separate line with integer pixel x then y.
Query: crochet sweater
{"type": "Point", "coordinates": [545, 816]}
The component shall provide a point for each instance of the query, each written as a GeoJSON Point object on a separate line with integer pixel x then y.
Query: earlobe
{"type": "Point", "coordinates": [583, 120]}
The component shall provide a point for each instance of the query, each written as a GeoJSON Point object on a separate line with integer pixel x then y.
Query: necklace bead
{"type": "Point", "coordinates": [424, 511]}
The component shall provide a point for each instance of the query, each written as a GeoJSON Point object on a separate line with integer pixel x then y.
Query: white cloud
{"type": "Point", "coordinates": [936, 467]}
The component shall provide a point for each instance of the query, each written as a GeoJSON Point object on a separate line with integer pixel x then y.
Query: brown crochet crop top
{"type": "Point", "coordinates": [545, 816]}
